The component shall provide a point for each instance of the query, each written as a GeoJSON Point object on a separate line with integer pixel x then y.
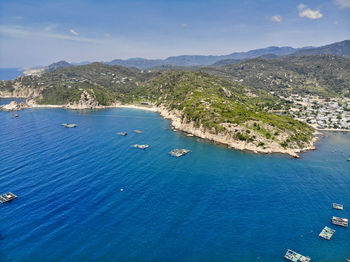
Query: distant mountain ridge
{"type": "Point", "coordinates": [202, 60]}
{"type": "Point", "coordinates": [339, 48]}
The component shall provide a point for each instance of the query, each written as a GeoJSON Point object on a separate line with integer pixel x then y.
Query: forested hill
{"type": "Point", "coordinates": [325, 75]}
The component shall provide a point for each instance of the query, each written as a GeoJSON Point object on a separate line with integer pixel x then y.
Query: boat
{"type": "Point", "coordinates": [7, 197]}
{"type": "Point", "coordinates": [140, 146]}
{"type": "Point", "coordinates": [178, 152]}
{"type": "Point", "coordinates": [343, 222]}
{"type": "Point", "coordinates": [15, 115]}
{"type": "Point", "coordinates": [337, 206]}
{"type": "Point", "coordinates": [122, 133]}
{"type": "Point", "coordinates": [296, 257]}
{"type": "Point", "coordinates": [327, 233]}
{"type": "Point", "coordinates": [69, 125]}
{"type": "Point", "coordinates": [138, 131]}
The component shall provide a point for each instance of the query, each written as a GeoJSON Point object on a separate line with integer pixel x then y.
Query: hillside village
{"type": "Point", "coordinates": [322, 113]}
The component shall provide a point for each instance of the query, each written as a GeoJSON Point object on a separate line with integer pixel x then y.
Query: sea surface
{"type": "Point", "coordinates": [214, 204]}
{"type": "Point", "coordinates": [10, 73]}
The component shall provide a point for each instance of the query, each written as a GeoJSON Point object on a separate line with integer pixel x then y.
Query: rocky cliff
{"type": "Point", "coordinates": [260, 145]}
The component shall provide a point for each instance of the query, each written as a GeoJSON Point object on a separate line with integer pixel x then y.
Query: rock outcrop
{"type": "Point", "coordinates": [21, 91]}
{"type": "Point", "coordinates": [86, 101]}
{"type": "Point", "coordinates": [227, 138]}
{"type": "Point", "coordinates": [13, 106]}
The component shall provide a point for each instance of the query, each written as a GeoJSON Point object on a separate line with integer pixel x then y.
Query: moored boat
{"type": "Point", "coordinates": [178, 152]}
{"type": "Point", "coordinates": [140, 146]}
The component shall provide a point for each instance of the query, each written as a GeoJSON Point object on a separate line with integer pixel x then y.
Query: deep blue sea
{"type": "Point", "coordinates": [214, 204]}
{"type": "Point", "coordinates": [10, 73]}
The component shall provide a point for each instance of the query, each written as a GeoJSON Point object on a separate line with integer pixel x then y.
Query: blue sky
{"type": "Point", "coordinates": [39, 32]}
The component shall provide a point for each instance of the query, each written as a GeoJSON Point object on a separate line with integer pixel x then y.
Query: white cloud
{"type": "Point", "coordinates": [343, 3]}
{"type": "Point", "coordinates": [27, 32]}
{"type": "Point", "coordinates": [276, 19]}
{"type": "Point", "coordinates": [184, 25]}
{"type": "Point", "coordinates": [301, 6]}
{"type": "Point", "coordinates": [73, 32]}
{"type": "Point", "coordinates": [107, 35]}
{"type": "Point", "coordinates": [50, 27]}
{"type": "Point", "coordinates": [306, 12]}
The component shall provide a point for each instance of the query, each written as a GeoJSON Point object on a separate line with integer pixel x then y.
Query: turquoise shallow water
{"type": "Point", "coordinates": [213, 204]}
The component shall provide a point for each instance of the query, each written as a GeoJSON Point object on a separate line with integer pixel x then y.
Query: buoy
{"type": "Point", "coordinates": [121, 189]}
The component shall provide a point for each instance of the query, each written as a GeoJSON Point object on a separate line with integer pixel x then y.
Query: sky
{"type": "Point", "coordinates": [39, 32]}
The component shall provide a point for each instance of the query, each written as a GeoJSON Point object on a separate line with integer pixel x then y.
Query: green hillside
{"type": "Point", "coordinates": [325, 75]}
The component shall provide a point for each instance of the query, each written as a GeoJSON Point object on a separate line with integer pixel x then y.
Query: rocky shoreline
{"type": "Point", "coordinates": [227, 140]}
{"type": "Point", "coordinates": [178, 124]}
{"type": "Point", "coordinates": [13, 106]}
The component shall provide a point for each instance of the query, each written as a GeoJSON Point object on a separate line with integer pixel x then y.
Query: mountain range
{"type": "Point", "coordinates": [339, 48]}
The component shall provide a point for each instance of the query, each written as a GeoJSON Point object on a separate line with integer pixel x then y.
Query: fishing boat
{"type": "Point", "coordinates": [69, 125]}
{"type": "Point", "coordinates": [178, 152]}
{"type": "Point", "coordinates": [140, 146]}
{"type": "Point", "coordinates": [122, 133]}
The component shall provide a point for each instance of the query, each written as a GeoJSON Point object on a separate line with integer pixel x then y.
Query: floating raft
{"type": "Point", "coordinates": [327, 233]}
{"type": "Point", "coordinates": [344, 222]}
{"type": "Point", "coordinates": [7, 197]}
{"type": "Point", "coordinates": [178, 152]}
{"type": "Point", "coordinates": [140, 146]}
{"type": "Point", "coordinates": [295, 257]}
{"type": "Point", "coordinates": [122, 133]}
{"type": "Point", "coordinates": [69, 125]}
{"type": "Point", "coordinates": [337, 206]}
{"type": "Point", "coordinates": [138, 131]}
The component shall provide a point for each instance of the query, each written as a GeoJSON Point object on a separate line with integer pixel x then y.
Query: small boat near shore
{"type": "Point", "coordinates": [69, 125]}
{"type": "Point", "coordinates": [140, 146]}
{"type": "Point", "coordinates": [122, 133]}
{"type": "Point", "coordinates": [178, 152]}
{"type": "Point", "coordinates": [138, 131]}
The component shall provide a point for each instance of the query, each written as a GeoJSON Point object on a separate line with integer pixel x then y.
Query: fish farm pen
{"type": "Point", "coordinates": [337, 206]}
{"type": "Point", "coordinates": [295, 257]}
{"type": "Point", "coordinates": [340, 221]}
{"type": "Point", "coordinates": [7, 197]}
{"type": "Point", "coordinates": [327, 233]}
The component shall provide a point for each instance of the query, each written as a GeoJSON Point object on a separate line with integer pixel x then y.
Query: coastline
{"type": "Point", "coordinates": [334, 130]}
{"type": "Point", "coordinates": [152, 109]}
{"type": "Point", "coordinates": [177, 124]}
{"type": "Point", "coordinates": [225, 139]}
